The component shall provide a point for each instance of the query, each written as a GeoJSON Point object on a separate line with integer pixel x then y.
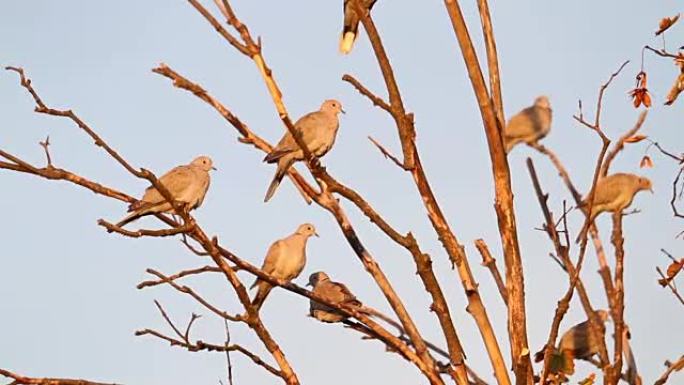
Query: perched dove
{"type": "Point", "coordinates": [614, 193]}
{"type": "Point", "coordinates": [318, 130]}
{"type": "Point", "coordinates": [351, 23]}
{"type": "Point", "coordinates": [285, 259]}
{"type": "Point", "coordinates": [334, 292]}
{"type": "Point", "coordinates": [529, 125]}
{"type": "Point", "coordinates": [577, 343]}
{"type": "Point", "coordinates": [187, 184]}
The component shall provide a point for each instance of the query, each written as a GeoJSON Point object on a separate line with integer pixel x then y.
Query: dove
{"type": "Point", "coordinates": [578, 342]}
{"type": "Point", "coordinates": [351, 23]}
{"type": "Point", "coordinates": [187, 184]}
{"type": "Point", "coordinates": [614, 193]}
{"type": "Point", "coordinates": [332, 291]}
{"type": "Point", "coordinates": [318, 130]}
{"type": "Point", "coordinates": [285, 259]}
{"type": "Point", "coordinates": [529, 125]}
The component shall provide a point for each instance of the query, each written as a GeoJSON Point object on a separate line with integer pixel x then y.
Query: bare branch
{"type": "Point", "coordinates": [22, 380]}
{"type": "Point", "coordinates": [386, 153]}
{"type": "Point", "coordinates": [377, 101]}
{"type": "Point", "coordinates": [490, 263]}
{"type": "Point", "coordinates": [671, 368]}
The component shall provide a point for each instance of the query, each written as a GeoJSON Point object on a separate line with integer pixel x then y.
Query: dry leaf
{"type": "Point", "coordinates": [666, 23]}
{"type": "Point", "coordinates": [640, 93]}
{"type": "Point", "coordinates": [636, 138]}
{"type": "Point", "coordinates": [646, 162]}
{"type": "Point", "coordinates": [672, 271]}
{"type": "Point", "coordinates": [675, 268]}
{"type": "Point", "coordinates": [589, 380]}
{"type": "Point", "coordinates": [676, 89]}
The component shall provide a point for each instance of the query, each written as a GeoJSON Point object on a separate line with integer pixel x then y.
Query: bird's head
{"type": "Point", "coordinates": [203, 162]}
{"type": "Point", "coordinates": [645, 184]}
{"type": "Point", "coordinates": [332, 106]}
{"type": "Point", "coordinates": [307, 230]}
{"type": "Point", "coordinates": [316, 278]}
{"type": "Point", "coordinates": [542, 101]}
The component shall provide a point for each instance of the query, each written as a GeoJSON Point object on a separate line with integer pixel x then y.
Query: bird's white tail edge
{"type": "Point", "coordinates": [347, 42]}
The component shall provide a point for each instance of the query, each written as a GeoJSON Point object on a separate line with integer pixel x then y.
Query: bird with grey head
{"type": "Point", "coordinates": [614, 193]}
{"type": "Point", "coordinates": [579, 342]}
{"type": "Point", "coordinates": [318, 131]}
{"type": "Point", "coordinates": [187, 184]}
{"type": "Point", "coordinates": [529, 125]}
{"type": "Point", "coordinates": [334, 292]}
{"type": "Point", "coordinates": [285, 259]}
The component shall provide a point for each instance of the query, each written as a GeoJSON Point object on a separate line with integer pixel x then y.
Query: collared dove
{"type": "Point", "coordinates": [614, 193]}
{"type": "Point", "coordinates": [351, 23]}
{"type": "Point", "coordinates": [318, 130]}
{"type": "Point", "coordinates": [187, 184]}
{"type": "Point", "coordinates": [578, 342]}
{"type": "Point", "coordinates": [529, 125]}
{"type": "Point", "coordinates": [285, 259]}
{"type": "Point", "coordinates": [332, 291]}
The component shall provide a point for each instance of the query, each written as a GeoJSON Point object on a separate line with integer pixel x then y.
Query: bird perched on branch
{"type": "Point", "coordinates": [338, 293]}
{"type": "Point", "coordinates": [614, 193]}
{"type": "Point", "coordinates": [529, 125]}
{"type": "Point", "coordinates": [351, 23]}
{"type": "Point", "coordinates": [332, 291]}
{"type": "Point", "coordinates": [579, 342]}
{"type": "Point", "coordinates": [285, 259]}
{"type": "Point", "coordinates": [318, 131]}
{"type": "Point", "coordinates": [187, 184]}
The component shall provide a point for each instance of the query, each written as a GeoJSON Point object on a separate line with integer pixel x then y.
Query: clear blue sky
{"type": "Point", "coordinates": [68, 294]}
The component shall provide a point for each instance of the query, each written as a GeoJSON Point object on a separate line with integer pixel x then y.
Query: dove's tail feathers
{"type": "Point", "coordinates": [130, 218]}
{"type": "Point", "coordinates": [262, 293]}
{"type": "Point", "coordinates": [582, 233]}
{"type": "Point", "coordinates": [377, 314]}
{"type": "Point", "coordinates": [347, 41]}
{"type": "Point", "coordinates": [275, 155]}
{"type": "Point", "coordinates": [509, 143]}
{"type": "Point", "coordinates": [273, 186]}
{"type": "Point", "coordinates": [283, 166]}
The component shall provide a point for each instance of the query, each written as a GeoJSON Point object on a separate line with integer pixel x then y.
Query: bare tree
{"type": "Point", "coordinates": [398, 332]}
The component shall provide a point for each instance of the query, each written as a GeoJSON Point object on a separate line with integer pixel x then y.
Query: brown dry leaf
{"type": "Point", "coordinates": [672, 271]}
{"type": "Point", "coordinates": [640, 93]}
{"type": "Point", "coordinates": [675, 268]}
{"type": "Point", "coordinates": [636, 138]}
{"type": "Point", "coordinates": [665, 23]}
{"type": "Point", "coordinates": [646, 162]}
{"type": "Point", "coordinates": [589, 380]}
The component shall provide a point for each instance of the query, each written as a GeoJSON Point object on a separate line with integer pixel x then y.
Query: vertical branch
{"type": "Point", "coordinates": [517, 322]}
{"type": "Point", "coordinates": [573, 276]}
{"type": "Point", "coordinates": [618, 312]}
{"type": "Point", "coordinates": [455, 250]}
{"type": "Point", "coordinates": [492, 60]}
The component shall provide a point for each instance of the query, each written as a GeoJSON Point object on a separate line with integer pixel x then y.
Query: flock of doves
{"type": "Point", "coordinates": [285, 259]}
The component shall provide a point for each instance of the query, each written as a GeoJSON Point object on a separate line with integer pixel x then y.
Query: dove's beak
{"type": "Point", "coordinates": [214, 168]}
{"type": "Point", "coordinates": [343, 111]}
{"type": "Point", "coordinates": [651, 190]}
{"type": "Point", "coordinates": [309, 284]}
{"type": "Point", "coordinates": [316, 234]}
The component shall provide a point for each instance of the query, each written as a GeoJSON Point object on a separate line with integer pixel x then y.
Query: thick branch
{"type": "Point", "coordinates": [517, 322]}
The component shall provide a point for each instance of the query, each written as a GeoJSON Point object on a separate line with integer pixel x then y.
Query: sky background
{"type": "Point", "coordinates": [67, 288]}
